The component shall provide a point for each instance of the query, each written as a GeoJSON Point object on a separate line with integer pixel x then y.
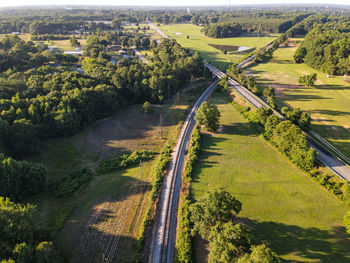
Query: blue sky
{"type": "Point", "coordinates": [4, 3]}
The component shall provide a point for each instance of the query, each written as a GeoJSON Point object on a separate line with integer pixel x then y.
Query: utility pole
{"type": "Point", "coordinates": [160, 124]}
{"type": "Point", "coordinates": [141, 171]}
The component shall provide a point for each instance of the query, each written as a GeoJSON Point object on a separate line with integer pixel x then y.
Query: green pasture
{"type": "Point", "coordinates": [294, 215]}
{"type": "Point", "coordinates": [328, 103]}
{"type": "Point", "coordinates": [198, 42]}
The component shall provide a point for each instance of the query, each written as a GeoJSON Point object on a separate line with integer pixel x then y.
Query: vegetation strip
{"type": "Point", "coordinates": [184, 250]}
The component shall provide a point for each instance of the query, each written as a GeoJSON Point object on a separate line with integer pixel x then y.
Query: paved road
{"type": "Point", "coordinates": [250, 59]}
{"type": "Point", "coordinates": [160, 32]}
{"type": "Point", "coordinates": [165, 229]}
{"type": "Point", "coordinates": [142, 58]}
{"type": "Point", "coordinates": [336, 166]}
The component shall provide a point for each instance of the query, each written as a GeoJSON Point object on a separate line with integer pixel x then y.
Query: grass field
{"type": "Point", "coordinates": [328, 103]}
{"type": "Point", "coordinates": [199, 43]}
{"type": "Point", "coordinates": [295, 216]}
{"type": "Point", "coordinates": [112, 206]}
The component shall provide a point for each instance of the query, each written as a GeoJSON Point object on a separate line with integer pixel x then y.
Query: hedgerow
{"type": "Point", "coordinates": [70, 183]}
{"type": "Point", "coordinates": [162, 164]}
{"type": "Point", "coordinates": [184, 250]}
{"type": "Point", "coordinates": [124, 160]}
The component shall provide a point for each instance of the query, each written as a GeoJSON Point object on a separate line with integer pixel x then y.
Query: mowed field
{"type": "Point", "coordinates": [104, 217]}
{"type": "Point", "coordinates": [198, 42]}
{"type": "Point", "coordinates": [328, 103]}
{"type": "Point", "coordinates": [293, 214]}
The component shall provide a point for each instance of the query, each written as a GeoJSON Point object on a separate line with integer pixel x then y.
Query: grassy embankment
{"type": "Point", "coordinates": [112, 206]}
{"type": "Point", "coordinates": [198, 42]}
{"type": "Point", "coordinates": [293, 214]}
{"type": "Point", "coordinates": [328, 103]}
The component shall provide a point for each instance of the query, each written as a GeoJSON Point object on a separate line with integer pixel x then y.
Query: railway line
{"type": "Point", "coordinates": [164, 245]}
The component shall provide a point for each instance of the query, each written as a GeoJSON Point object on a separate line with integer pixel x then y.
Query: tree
{"type": "Point", "coordinates": [146, 107]}
{"type": "Point", "coordinates": [347, 222]}
{"type": "Point", "coordinates": [74, 42]}
{"type": "Point", "coordinates": [17, 226]}
{"type": "Point", "coordinates": [217, 205]}
{"type": "Point", "coordinates": [299, 55]}
{"type": "Point", "coordinates": [308, 80]}
{"type": "Point", "coordinates": [259, 254]}
{"type": "Point", "coordinates": [209, 116]}
{"type": "Point", "coordinates": [228, 242]}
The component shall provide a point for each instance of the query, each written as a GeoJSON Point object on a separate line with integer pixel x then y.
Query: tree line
{"type": "Point", "coordinates": [49, 102]}
{"type": "Point", "coordinates": [326, 47]}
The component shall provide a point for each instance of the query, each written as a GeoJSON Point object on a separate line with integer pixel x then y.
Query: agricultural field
{"type": "Point", "coordinates": [281, 204]}
{"type": "Point", "coordinates": [111, 208]}
{"type": "Point", "coordinates": [200, 43]}
{"type": "Point", "coordinates": [328, 103]}
{"type": "Point", "coordinates": [65, 44]}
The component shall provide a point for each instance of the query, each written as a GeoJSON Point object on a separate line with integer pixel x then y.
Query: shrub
{"type": "Point", "coordinates": [162, 164]}
{"type": "Point", "coordinates": [146, 107]}
{"type": "Point", "coordinates": [72, 182]}
{"type": "Point", "coordinates": [124, 161]}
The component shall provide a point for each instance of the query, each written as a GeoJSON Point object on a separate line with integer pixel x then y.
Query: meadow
{"type": "Point", "coordinates": [283, 206]}
{"type": "Point", "coordinates": [328, 102]}
{"type": "Point", "coordinates": [111, 207]}
{"type": "Point", "coordinates": [198, 42]}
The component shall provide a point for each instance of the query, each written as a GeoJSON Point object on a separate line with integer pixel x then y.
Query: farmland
{"type": "Point", "coordinates": [94, 210]}
{"type": "Point", "coordinates": [283, 205]}
{"type": "Point", "coordinates": [328, 103]}
{"type": "Point", "coordinates": [197, 42]}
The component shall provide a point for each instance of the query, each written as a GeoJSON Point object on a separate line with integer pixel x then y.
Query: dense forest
{"type": "Point", "coordinates": [221, 30]}
{"type": "Point", "coordinates": [326, 45]}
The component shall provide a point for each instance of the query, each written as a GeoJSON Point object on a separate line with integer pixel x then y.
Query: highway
{"type": "Point", "coordinates": [331, 162]}
{"type": "Point", "coordinates": [165, 229]}
{"type": "Point", "coordinates": [163, 246]}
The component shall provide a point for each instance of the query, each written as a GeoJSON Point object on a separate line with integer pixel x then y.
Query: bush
{"type": "Point", "coordinates": [184, 251]}
{"type": "Point", "coordinates": [162, 164]}
{"type": "Point", "coordinates": [72, 182]}
{"type": "Point", "coordinates": [124, 161]}
{"type": "Point", "coordinates": [146, 107]}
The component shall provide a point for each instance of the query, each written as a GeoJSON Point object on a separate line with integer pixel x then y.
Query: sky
{"type": "Point", "coordinates": [5, 3]}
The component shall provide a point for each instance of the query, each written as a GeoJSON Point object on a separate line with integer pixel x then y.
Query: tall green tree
{"type": "Point", "coordinates": [208, 115]}
{"type": "Point", "coordinates": [218, 205]}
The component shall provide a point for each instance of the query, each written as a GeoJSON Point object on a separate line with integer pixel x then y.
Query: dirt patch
{"type": "Point", "coordinates": [280, 89]}
{"type": "Point", "coordinates": [108, 228]}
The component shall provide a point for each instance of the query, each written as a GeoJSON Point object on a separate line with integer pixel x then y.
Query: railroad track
{"type": "Point", "coordinates": [163, 249]}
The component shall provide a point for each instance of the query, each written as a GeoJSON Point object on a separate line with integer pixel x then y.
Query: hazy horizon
{"type": "Point", "coordinates": [18, 3]}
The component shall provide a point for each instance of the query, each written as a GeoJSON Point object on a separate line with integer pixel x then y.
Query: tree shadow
{"type": "Point", "coordinates": [238, 128]}
{"type": "Point", "coordinates": [305, 243]}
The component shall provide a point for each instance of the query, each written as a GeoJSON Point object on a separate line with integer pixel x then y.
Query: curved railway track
{"type": "Point", "coordinates": [163, 249]}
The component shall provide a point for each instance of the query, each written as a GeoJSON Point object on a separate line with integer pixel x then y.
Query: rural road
{"type": "Point", "coordinates": [165, 229]}
{"type": "Point", "coordinates": [142, 58]}
{"type": "Point", "coordinates": [160, 32]}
